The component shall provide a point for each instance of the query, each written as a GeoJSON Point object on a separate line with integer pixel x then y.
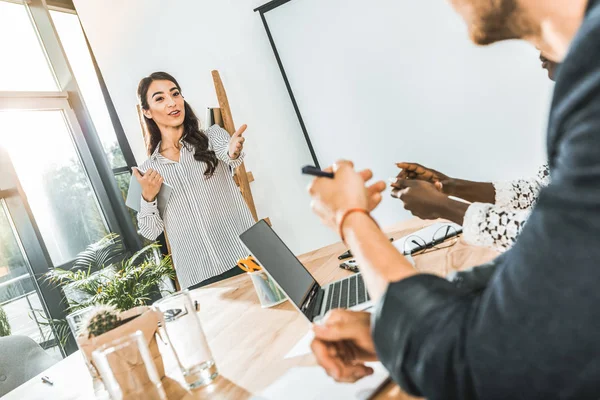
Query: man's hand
{"type": "Point", "coordinates": [151, 182]}
{"type": "Point", "coordinates": [236, 143]}
{"type": "Point", "coordinates": [333, 197]}
{"type": "Point", "coordinates": [343, 344]}
{"type": "Point", "coordinates": [423, 199]}
{"type": "Point", "coordinates": [414, 171]}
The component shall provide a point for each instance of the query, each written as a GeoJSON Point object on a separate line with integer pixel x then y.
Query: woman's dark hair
{"type": "Point", "coordinates": [192, 134]}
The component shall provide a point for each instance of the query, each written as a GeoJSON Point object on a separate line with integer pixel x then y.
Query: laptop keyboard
{"type": "Point", "coordinates": [347, 293]}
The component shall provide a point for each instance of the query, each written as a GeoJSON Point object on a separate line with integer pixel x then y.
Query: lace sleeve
{"type": "Point", "coordinates": [521, 194]}
{"type": "Point", "coordinates": [488, 225]}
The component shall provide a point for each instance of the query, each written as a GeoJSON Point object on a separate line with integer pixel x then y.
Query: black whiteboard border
{"type": "Point", "coordinates": [262, 10]}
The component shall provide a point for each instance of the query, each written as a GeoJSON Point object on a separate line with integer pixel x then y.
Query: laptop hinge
{"type": "Point", "coordinates": [310, 302]}
{"type": "Point", "coordinates": [318, 302]}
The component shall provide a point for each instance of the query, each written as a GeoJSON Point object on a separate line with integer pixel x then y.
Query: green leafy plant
{"type": "Point", "coordinates": [125, 284]}
{"type": "Point", "coordinates": [101, 276]}
{"type": "Point", "coordinates": [4, 325]}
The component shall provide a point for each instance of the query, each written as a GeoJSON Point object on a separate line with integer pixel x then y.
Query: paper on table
{"type": "Point", "coordinates": [302, 347]}
{"type": "Point", "coordinates": [307, 383]}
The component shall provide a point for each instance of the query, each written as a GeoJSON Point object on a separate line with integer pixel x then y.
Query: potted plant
{"type": "Point", "coordinates": [99, 276]}
{"type": "Point", "coordinates": [102, 275]}
{"type": "Point", "coordinates": [105, 324]}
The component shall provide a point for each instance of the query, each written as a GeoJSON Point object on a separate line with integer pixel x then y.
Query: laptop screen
{"type": "Point", "coordinates": [279, 261]}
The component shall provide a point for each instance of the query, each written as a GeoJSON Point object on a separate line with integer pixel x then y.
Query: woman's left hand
{"type": "Point", "coordinates": [236, 143]}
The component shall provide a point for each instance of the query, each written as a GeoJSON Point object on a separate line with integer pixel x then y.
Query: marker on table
{"type": "Point", "coordinates": [314, 171]}
{"type": "Point", "coordinates": [47, 380]}
{"type": "Point", "coordinates": [348, 254]}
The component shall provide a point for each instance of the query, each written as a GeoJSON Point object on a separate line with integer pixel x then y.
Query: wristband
{"type": "Point", "coordinates": [346, 214]}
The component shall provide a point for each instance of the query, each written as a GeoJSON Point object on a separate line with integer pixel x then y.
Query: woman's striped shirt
{"type": "Point", "coordinates": [204, 217]}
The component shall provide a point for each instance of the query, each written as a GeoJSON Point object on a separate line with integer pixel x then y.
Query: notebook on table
{"type": "Point", "coordinates": [134, 196]}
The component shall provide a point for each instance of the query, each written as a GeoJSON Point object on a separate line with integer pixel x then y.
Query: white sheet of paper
{"type": "Point", "coordinates": [302, 347]}
{"type": "Point", "coordinates": [308, 383]}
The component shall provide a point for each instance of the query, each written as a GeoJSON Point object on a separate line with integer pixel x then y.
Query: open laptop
{"type": "Point", "coordinates": [297, 283]}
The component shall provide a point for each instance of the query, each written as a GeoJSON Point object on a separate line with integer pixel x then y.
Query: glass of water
{"type": "Point", "coordinates": [127, 369]}
{"type": "Point", "coordinates": [186, 338]}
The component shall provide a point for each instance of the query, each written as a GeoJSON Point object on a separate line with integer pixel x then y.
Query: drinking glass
{"type": "Point", "coordinates": [187, 340]}
{"type": "Point", "coordinates": [127, 369]}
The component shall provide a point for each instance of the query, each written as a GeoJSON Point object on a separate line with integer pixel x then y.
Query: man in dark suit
{"type": "Point", "coordinates": [532, 332]}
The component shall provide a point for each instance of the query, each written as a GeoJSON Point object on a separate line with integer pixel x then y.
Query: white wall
{"type": "Point", "coordinates": [399, 80]}
{"type": "Point", "coordinates": [188, 39]}
{"type": "Point", "coordinates": [436, 85]}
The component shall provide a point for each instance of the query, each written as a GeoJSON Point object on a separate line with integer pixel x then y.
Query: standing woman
{"type": "Point", "coordinates": [206, 212]}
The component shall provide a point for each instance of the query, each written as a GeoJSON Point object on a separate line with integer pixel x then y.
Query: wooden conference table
{"type": "Point", "coordinates": [249, 343]}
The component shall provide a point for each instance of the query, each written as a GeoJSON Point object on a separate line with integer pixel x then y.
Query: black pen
{"type": "Point", "coordinates": [349, 253]}
{"type": "Point", "coordinates": [314, 171]}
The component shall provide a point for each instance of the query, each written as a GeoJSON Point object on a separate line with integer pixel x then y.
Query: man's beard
{"type": "Point", "coordinates": [497, 20]}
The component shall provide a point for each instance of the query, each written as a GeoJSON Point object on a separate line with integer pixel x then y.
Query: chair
{"type": "Point", "coordinates": [21, 359]}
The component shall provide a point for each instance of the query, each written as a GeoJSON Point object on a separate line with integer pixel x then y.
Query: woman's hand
{"type": "Point", "coordinates": [422, 198]}
{"type": "Point", "coordinates": [151, 182]}
{"type": "Point", "coordinates": [426, 201]}
{"type": "Point", "coordinates": [418, 172]}
{"type": "Point", "coordinates": [236, 143]}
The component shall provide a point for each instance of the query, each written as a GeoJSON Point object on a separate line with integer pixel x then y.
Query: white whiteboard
{"type": "Point", "coordinates": [396, 80]}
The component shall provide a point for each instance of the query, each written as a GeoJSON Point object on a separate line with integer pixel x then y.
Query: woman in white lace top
{"type": "Point", "coordinates": [494, 219]}
{"type": "Point", "coordinates": [498, 210]}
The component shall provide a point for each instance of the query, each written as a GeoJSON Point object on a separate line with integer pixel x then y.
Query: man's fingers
{"type": "Point", "coordinates": [377, 187]}
{"type": "Point", "coordinates": [338, 315]}
{"type": "Point", "coordinates": [374, 194]}
{"type": "Point", "coordinates": [366, 174]}
{"type": "Point", "coordinates": [323, 353]}
{"type": "Point", "coordinates": [327, 357]}
{"type": "Point", "coordinates": [342, 163]}
{"type": "Point", "coordinates": [241, 130]}
{"type": "Point", "coordinates": [374, 201]}
{"type": "Point", "coordinates": [353, 373]}
{"type": "Point", "coordinates": [336, 331]}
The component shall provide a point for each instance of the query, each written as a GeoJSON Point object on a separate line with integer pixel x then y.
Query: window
{"type": "Point", "coordinates": [58, 189]}
{"type": "Point", "coordinates": [75, 46]}
{"type": "Point", "coordinates": [77, 51]}
{"type": "Point", "coordinates": [24, 65]}
{"type": "Point", "coordinates": [55, 197]}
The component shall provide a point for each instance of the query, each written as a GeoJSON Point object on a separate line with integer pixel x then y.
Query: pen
{"type": "Point", "coordinates": [349, 253]}
{"type": "Point", "coordinates": [47, 380]}
{"type": "Point", "coordinates": [314, 171]}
